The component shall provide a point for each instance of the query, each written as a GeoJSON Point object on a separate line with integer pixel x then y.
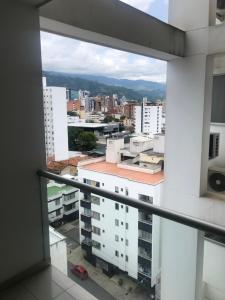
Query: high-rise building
{"type": "Point", "coordinates": [55, 117]}
{"type": "Point", "coordinates": [117, 236]}
{"type": "Point", "coordinates": [148, 118]}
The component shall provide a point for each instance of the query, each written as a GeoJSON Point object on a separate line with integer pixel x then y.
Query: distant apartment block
{"type": "Point", "coordinates": [148, 118]}
{"type": "Point", "coordinates": [63, 202]}
{"type": "Point", "coordinates": [55, 119]}
{"type": "Point", "coordinates": [116, 236]}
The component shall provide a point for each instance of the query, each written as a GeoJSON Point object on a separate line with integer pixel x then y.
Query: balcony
{"type": "Point", "coordinates": [86, 203]}
{"type": "Point", "coordinates": [86, 244]}
{"type": "Point", "coordinates": [145, 218]}
{"type": "Point", "coordinates": [142, 252]}
{"type": "Point", "coordinates": [144, 271]}
{"type": "Point", "coordinates": [145, 236]}
{"type": "Point", "coordinates": [86, 230]}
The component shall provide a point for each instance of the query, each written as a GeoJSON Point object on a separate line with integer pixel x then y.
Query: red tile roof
{"type": "Point", "coordinates": [113, 169]}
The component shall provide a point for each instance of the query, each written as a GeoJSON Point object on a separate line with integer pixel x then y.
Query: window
{"type": "Point", "coordinates": [145, 198]}
{"type": "Point", "coordinates": [69, 196]}
{"type": "Point", "coordinates": [121, 189]}
{"type": "Point", "coordinates": [116, 222]}
{"type": "Point", "coordinates": [117, 253]}
{"type": "Point", "coordinates": [121, 239]}
{"type": "Point", "coordinates": [117, 206]}
{"type": "Point", "coordinates": [96, 245]}
{"type": "Point", "coordinates": [58, 212]}
{"type": "Point", "coordinates": [95, 200]}
{"type": "Point", "coordinates": [116, 238]}
{"type": "Point", "coordinates": [103, 184]}
{"type": "Point", "coordinates": [84, 180]}
{"type": "Point", "coordinates": [121, 206]}
{"type": "Point", "coordinates": [126, 225]}
{"type": "Point", "coordinates": [116, 189]}
{"type": "Point", "coordinates": [127, 209]}
{"type": "Point", "coordinates": [214, 145]}
{"type": "Point", "coordinates": [126, 192]}
{"type": "Point", "coordinates": [57, 201]}
{"type": "Point", "coordinates": [95, 215]}
{"type": "Point", "coordinates": [126, 257]}
{"type": "Point", "coordinates": [96, 230]}
{"type": "Point", "coordinates": [126, 242]}
{"type": "Point", "coordinates": [122, 223]}
{"type": "Point", "coordinates": [121, 255]}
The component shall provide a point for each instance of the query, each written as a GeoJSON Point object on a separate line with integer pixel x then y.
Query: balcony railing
{"type": "Point", "coordinates": [146, 207]}
{"type": "Point", "coordinates": [144, 235]}
{"type": "Point", "coordinates": [143, 253]}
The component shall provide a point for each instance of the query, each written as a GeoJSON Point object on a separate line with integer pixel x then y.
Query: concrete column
{"type": "Point", "coordinates": [189, 88]}
{"type": "Point", "coordinates": [22, 232]}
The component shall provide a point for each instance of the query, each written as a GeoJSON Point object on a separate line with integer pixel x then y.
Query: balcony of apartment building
{"type": "Point", "coordinates": [86, 230]}
{"type": "Point", "coordinates": [194, 48]}
{"type": "Point", "coordinates": [86, 215]}
{"type": "Point", "coordinates": [86, 201]}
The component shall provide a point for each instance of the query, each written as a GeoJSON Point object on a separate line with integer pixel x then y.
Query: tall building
{"type": "Point", "coordinates": [116, 236]}
{"type": "Point", "coordinates": [55, 117]}
{"type": "Point", "coordinates": [148, 118]}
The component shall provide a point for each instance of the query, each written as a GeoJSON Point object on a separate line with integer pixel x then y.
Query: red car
{"type": "Point", "coordinates": [80, 272]}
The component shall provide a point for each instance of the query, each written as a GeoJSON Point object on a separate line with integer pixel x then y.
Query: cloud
{"type": "Point", "coordinates": [143, 5]}
{"type": "Point", "coordinates": [69, 55]}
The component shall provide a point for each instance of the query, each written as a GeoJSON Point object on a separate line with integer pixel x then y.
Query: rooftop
{"type": "Point", "coordinates": [113, 169]}
{"type": "Point", "coordinates": [55, 190]}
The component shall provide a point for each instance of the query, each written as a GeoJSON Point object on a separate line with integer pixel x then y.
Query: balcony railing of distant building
{"type": "Point", "coordinates": [143, 206]}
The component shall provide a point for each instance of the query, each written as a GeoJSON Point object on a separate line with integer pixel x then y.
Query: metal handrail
{"type": "Point", "coordinates": [147, 207]}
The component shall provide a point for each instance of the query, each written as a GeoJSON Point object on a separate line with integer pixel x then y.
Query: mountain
{"type": "Point", "coordinates": [100, 85]}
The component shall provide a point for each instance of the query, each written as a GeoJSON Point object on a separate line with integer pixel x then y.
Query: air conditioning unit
{"type": "Point", "coordinates": [216, 181]}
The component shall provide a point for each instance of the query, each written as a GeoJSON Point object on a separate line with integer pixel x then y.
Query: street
{"type": "Point", "coordinates": [90, 285]}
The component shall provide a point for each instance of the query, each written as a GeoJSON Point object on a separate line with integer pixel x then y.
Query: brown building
{"type": "Point", "coordinates": [73, 105]}
{"type": "Point", "coordinates": [128, 110]}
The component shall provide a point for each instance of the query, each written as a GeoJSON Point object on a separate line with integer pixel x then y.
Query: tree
{"type": "Point", "coordinates": [73, 134]}
{"type": "Point", "coordinates": [86, 141]}
{"type": "Point", "coordinates": [72, 113]}
{"type": "Point", "coordinates": [108, 119]}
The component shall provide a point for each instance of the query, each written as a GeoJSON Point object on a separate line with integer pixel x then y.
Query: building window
{"type": "Point", "coordinates": [126, 225]}
{"type": "Point", "coordinates": [57, 201]}
{"type": "Point", "coordinates": [127, 209]}
{"type": "Point", "coordinates": [121, 206]}
{"type": "Point", "coordinates": [95, 200]}
{"type": "Point", "coordinates": [126, 192]}
{"type": "Point", "coordinates": [121, 255]}
{"type": "Point", "coordinates": [84, 180]}
{"type": "Point", "coordinates": [95, 215]}
{"type": "Point", "coordinates": [116, 238]}
{"type": "Point", "coordinates": [126, 242]}
{"type": "Point", "coordinates": [96, 244]}
{"type": "Point", "coordinates": [96, 230]}
{"type": "Point", "coordinates": [121, 239]}
{"type": "Point", "coordinates": [122, 223]}
{"type": "Point", "coordinates": [103, 184]}
{"type": "Point", "coordinates": [121, 189]}
{"type": "Point", "coordinates": [117, 206]}
{"type": "Point", "coordinates": [116, 222]}
{"type": "Point", "coordinates": [126, 257]}
{"type": "Point", "coordinates": [58, 212]}
{"type": "Point", "coordinates": [117, 253]}
{"type": "Point", "coordinates": [145, 198]}
{"type": "Point", "coordinates": [116, 189]}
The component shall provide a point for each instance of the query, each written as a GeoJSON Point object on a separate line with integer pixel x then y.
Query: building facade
{"type": "Point", "coordinates": [148, 118]}
{"type": "Point", "coordinates": [55, 118]}
{"type": "Point", "coordinates": [115, 236]}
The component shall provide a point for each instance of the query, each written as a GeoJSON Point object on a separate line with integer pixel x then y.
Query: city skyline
{"type": "Point", "coordinates": [67, 55]}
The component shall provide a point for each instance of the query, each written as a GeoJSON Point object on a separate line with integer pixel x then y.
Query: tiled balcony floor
{"type": "Point", "coordinates": [47, 285]}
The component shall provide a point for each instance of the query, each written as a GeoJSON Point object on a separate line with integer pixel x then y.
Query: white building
{"type": "Point", "coordinates": [55, 117]}
{"type": "Point", "coordinates": [63, 202]}
{"type": "Point", "coordinates": [117, 236]}
{"type": "Point", "coordinates": [58, 250]}
{"type": "Point", "coordinates": [148, 118]}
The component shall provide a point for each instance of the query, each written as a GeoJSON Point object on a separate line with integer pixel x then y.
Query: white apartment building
{"type": "Point", "coordinates": [63, 202]}
{"type": "Point", "coordinates": [55, 117]}
{"type": "Point", "coordinates": [117, 236]}
{"type": "Point", "coordinates": [148, 118]}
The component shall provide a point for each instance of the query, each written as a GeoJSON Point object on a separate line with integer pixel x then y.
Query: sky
{"type": "Point", "coordinates": [63, 54]}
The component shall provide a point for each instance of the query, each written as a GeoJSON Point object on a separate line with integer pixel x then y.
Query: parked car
{"type": "Point", "coordinates": [80, 272]}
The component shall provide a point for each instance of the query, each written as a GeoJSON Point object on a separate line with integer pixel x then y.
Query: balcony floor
{"type": "Point", "coordinates": [47, 285]}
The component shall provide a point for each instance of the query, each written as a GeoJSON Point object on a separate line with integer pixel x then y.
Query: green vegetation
{"type": "Point", "coordinates": [80, 140]}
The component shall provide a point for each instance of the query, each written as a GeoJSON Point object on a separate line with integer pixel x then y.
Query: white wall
{"type": "Point", "coordinates": [138, 119]}
{"type": "Point", "coordinates": [214, 270]}
{"type": "Point", "coordinates": [22, 140]}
